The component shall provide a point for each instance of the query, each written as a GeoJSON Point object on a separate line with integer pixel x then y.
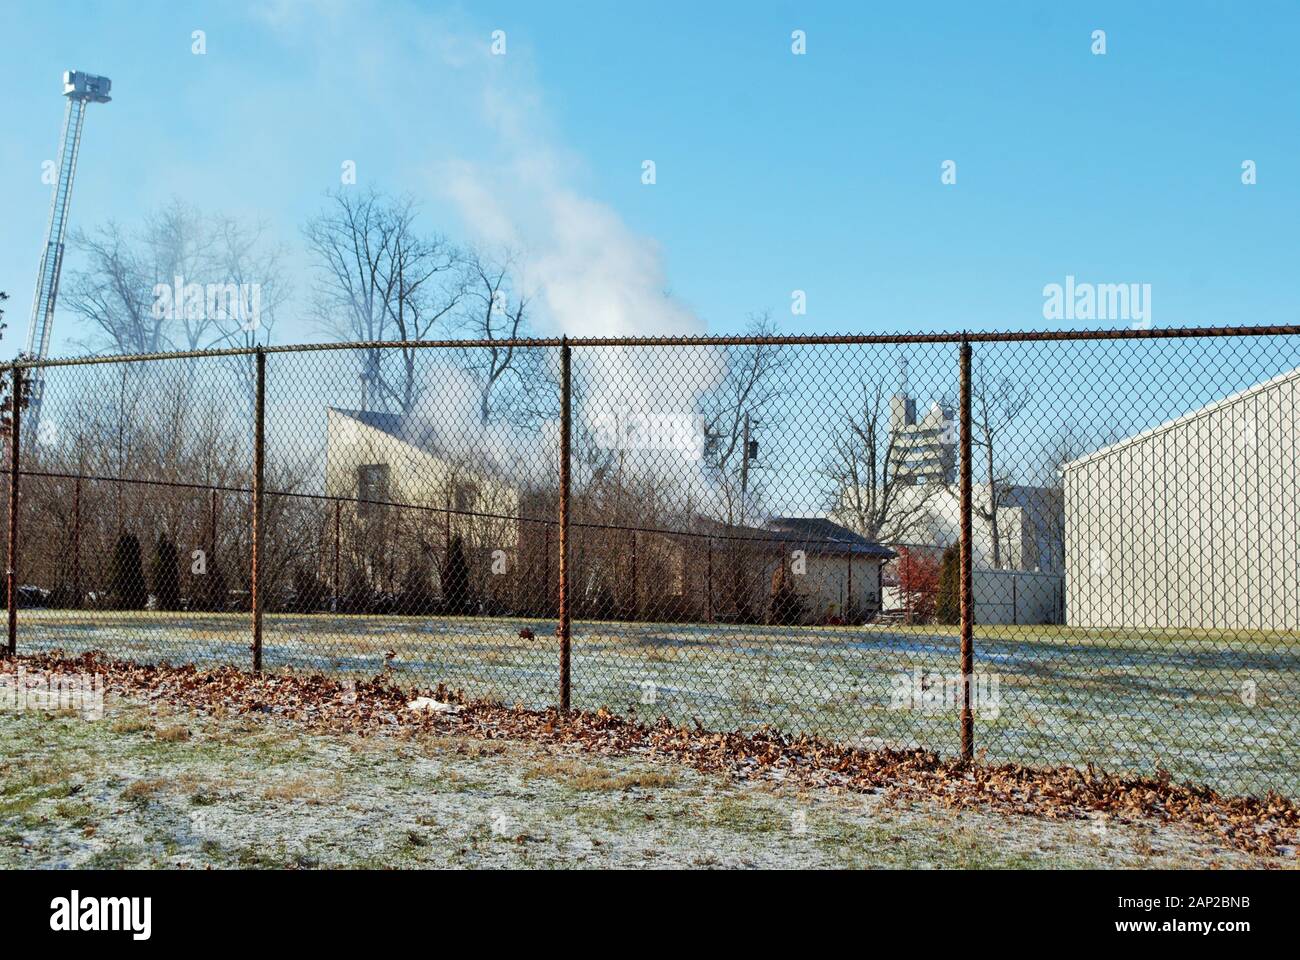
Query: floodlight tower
{"type": "Point", "coordinates": [80, 89]}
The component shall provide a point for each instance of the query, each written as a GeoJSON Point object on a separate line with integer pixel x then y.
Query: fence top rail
{"type": "Point", "coordinates": [1021, 336]}
{"type": "Point", "coordinates": [719, 535]}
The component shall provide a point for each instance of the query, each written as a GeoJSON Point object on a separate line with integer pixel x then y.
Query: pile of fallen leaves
{"type": "Point", "coordinates": [1260, 825]}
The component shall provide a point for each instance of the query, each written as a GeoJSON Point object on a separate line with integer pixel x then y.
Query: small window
{"type": "Point", "coordinates": [372, 485]}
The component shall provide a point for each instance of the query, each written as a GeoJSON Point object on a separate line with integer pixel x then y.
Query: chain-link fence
{"type": "Point", "coordinates": [1048, 548]}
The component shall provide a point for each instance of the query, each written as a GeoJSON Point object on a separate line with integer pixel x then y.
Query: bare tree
{"type": "Point", "coordinates": [1064, 447]}
{"type": "Point", "coordinates": [749, 389]}
{"type": "Point", "coordinates": [997, 403]}
{"type": "Point", "coordinates": [868, 494]}
{"type": "Point", "coordinates": [241, 255]}
{"type": "Point", "coordinates": [496, 310]}
{"type": "Point", "coordinates": [381, 280]}
{"type": "Point", "coordinates": [120, 426]}
{"type": "Point", "coordinates": [113, 294]}
{"type": "Point", "coordinates": [177, 244]}
{"type": "Point", "coordinates": [183, 280]}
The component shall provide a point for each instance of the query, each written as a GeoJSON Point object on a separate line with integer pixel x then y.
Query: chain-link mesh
{"type": "Point", "coordinates": [1155, 483]}
{"type": "Point", "coordinates": [134, 511]}
{"type": "Point", "coordinates": [759, 531]}
{"type": "Point", "coordinates": [411, 518]}
{"type": "Point", "coordinates": [722, 579]}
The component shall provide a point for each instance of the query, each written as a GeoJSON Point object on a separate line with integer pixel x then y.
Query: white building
{"type": "Point", "coordinates": [388, 470]}
{"type": "Point", "coordinates": [1030, 529]}
{"type": "Point", "coordinates": [924, 450]}
{"type": "Point", "coordinates": [842, 572]}
{"type": "Point", "coordinates": [1194, 523]}
{"type": "Point", "coordinates": [380, 458]}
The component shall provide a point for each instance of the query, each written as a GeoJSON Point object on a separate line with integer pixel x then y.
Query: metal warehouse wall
{"type": "Point", "coordinates": [1194, 524]}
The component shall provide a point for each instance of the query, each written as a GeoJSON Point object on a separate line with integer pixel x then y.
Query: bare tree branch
{"type": "Point", "coordinates": [381, 280]}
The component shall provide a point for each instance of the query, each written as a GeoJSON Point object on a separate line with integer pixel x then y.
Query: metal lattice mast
{"type": "Point", "coordinates": [80, 89]}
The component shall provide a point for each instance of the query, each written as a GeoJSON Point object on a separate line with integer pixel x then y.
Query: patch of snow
{"type": "Point", "coordinates": [430, 705]}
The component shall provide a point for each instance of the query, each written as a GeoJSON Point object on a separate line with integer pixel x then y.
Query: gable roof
{"type": "Point", "coordinates": [827, 532]}
{"type": "Point", "coordinates": [396, 425]}
{"type": "Point", "coordinates": [387, 422]}
{"type": "Point", "coordinates": [821, 535]}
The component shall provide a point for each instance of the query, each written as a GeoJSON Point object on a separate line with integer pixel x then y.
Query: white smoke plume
{"type": "Point", "coordinates": [435, 91]}
{"type": "Point", "coordinates": [589, 272]}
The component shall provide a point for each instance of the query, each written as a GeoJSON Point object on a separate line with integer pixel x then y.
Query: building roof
{"type": "Point", "coordinates": [828, 531]}
{"type": "Point", "coordinates": [820, 534]}
{"type": "Point", "coordinates": [1185, 419]}
{"type": "Point", "coordinates": [395, 425]}
{"type": "Point", "coordinates": [387, 422]}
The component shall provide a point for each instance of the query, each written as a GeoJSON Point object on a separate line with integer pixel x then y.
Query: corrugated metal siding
{"type": "Point", "coordinates": [1194, 525]}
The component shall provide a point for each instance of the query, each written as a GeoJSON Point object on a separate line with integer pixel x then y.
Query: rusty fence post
{"type": "Point", "coordinates": [11, 574]}
{"type": "Point", "coordinates": [708, 582]}
{"type": "Point", "coordinates": [338, 540]}
{"type": "Point", "coordinates": [76, 543]}
{"type": "Point", "coordinates": [967, 564]}
{"type": "Point", "coordinates": [564, 627]}
{"type": "Point", "coordinates": [212, 532]}
{"type": "Point", "coordinates": [259, 451]}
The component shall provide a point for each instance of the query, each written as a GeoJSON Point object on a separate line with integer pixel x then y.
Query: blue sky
{"type": "Point", "coordinates": [775, 172]}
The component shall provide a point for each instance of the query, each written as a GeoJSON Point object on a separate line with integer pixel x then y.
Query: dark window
{"type": "Point", "coordinates": [372, 485]}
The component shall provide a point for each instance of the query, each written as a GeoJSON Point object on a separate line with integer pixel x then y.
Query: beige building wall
{"type": "Point", "coordinates": [417, 476]}
{"type": "Point", "coordinates": [825, 589]}
{"type": "Point", "coordinates": [1193, 524]}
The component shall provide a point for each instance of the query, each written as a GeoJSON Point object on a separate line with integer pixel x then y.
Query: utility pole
{"type": "Point", "coordinates": [748, 452]}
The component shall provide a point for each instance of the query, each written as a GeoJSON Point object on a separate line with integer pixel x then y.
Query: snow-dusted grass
{"type": "Point", "coordinates": [245, 791]}
{"type": "Point", "coordinates": [1221, 708]}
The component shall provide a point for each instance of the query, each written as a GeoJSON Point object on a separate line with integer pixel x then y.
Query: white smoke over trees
{"type": "Point", "coordinates": [115, 289]}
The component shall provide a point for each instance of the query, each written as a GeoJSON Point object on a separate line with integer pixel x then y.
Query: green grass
{"type": "Point", "coordinates": [1218, 707]}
